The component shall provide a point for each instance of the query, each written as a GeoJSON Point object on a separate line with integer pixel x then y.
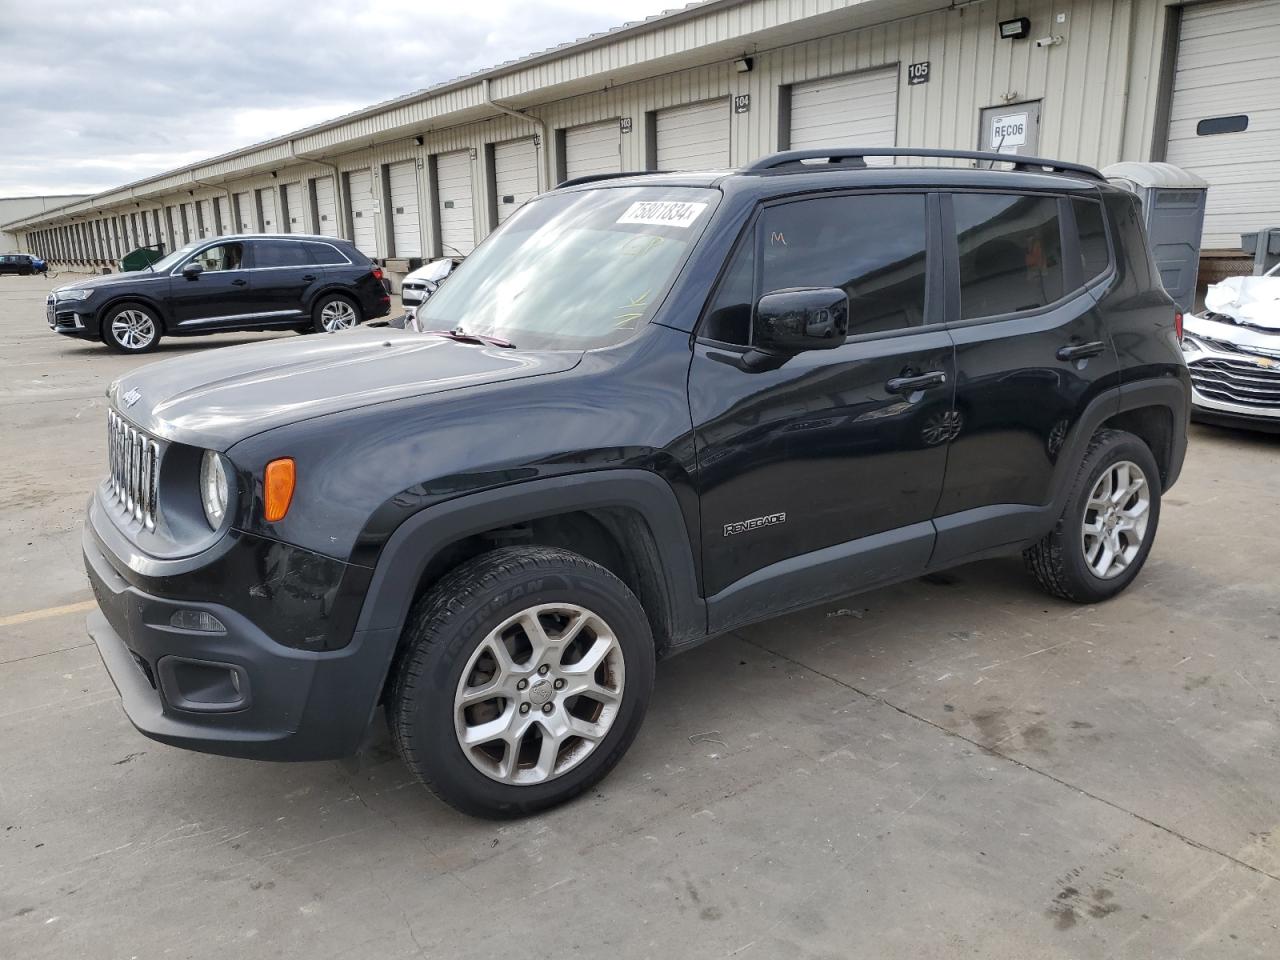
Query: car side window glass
{"type": "Point", "coordinates": [728, 318]}
{"type": "Point", "coordinates": [225, 256]}
{"type": "Point", "coordinates": [1010, 253]}
{"type": "Point", "coordinates": [872, 246]}
{"type": "Point", "coordinates": [1095, 256]}
{"type": "Point", "coordinates": [325, 255]}
{"type": "Point", "coordinates": [281, 253]}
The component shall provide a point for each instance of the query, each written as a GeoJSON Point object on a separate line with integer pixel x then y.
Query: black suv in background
{"type": "Point", "coordinates": [257, 282]}
{"type": "Point", "coordinates": [664, 406]}
{"type": "Point", "coordinates": [23, 264]}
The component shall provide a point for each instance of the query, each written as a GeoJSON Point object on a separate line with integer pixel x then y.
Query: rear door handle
{"type": "Point", "coordinates": [308, 278]}
{"type": "Point", "coordinates": [1081, 351]}
{"type": "Point", "coordinates": [240, 282]}
{"type": "Point", "coordinates": [934, 378]}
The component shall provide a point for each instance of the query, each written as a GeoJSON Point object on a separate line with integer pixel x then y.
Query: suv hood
{"type": "Point", "coordinates": [108, 279]}
{"type": "Point", "coordinates": [222, 396]}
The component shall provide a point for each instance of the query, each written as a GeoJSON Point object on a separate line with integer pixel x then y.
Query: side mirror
{"type": "Point", "coordinates": [804, 318]}
{"type": "Point", "coordinates": [193, 270]}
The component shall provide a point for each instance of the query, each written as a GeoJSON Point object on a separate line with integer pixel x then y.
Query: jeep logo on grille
{"type": "Point", "coordinates": [742, 526]}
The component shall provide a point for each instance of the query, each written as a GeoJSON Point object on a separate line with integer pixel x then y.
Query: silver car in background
{"type": "Point", "coordinates": [1232, 349]}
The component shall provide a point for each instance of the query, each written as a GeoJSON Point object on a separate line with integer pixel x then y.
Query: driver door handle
{"type": "Point", "coordinates": [239, 282]}
{"type": "Point", "coordinates": [934, 378]}
{"type": "Point", "coordinates": [1081, 351]}
{"type": "Point", "coordinates": [308, 278]}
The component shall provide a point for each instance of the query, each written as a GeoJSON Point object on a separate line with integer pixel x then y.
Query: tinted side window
{"type": "Point", "coordinates": [324, 254]}
{"type": "Point", "coordinates": [281, 253]}
{"type": "Point", "coordinates": [1095, 256]}
{"type": "Point", "coordinates": [1010, 253]}
{"type": "Point", "coordinates": [872, 247]}
{"type": "Point", "coordinates": [729, 316]}
{"type": "Point", "coordinates": [225, 256]}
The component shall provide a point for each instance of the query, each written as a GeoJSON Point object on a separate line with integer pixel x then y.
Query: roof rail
{"type": "Point", "coordinates": [856, 157]}
{"type": "Point", "coordinates": [593, 177]}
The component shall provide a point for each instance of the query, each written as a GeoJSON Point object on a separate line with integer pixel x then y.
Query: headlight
{"type": "Point", "coordinates": [213, 488]}
{"type": "Point", "coordinates": [72, 294]}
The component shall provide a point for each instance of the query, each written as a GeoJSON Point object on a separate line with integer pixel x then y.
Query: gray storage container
{"type": "Point", "coordinates": [1173, 202]}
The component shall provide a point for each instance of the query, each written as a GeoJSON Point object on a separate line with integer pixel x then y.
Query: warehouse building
{"type": "Point", "coordinates": [25, 208]}
{"type": "Point", "coordinates": [720, 83]}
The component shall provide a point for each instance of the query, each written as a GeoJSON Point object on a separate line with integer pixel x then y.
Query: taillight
{"type": "Point", "coordinates": [1177, 324]}
{"type": "Point", "coordinates": [377, 273]}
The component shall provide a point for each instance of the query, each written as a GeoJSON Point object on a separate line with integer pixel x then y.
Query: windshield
{"type": "Point", "coordinates": [175, 258]}
{"type": "Point", "coordinates": [573, 271]}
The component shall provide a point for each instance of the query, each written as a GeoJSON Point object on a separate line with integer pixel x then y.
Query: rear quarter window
{"type": "Point", "coordinates": [1095, 253]}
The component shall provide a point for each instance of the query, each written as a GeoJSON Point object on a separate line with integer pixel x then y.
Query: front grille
{"type": "Point", "coordinates": [1237, 381]}
{"type": "Point", "coordinates": [135, 468]}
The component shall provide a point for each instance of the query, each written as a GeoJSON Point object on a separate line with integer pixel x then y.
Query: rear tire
{"type": "Point", "coordinates": [1107, 528]}
{"type": "Point", "coordinates": [334, 312]}
{"type": "Point", "coordinates": [500, 719]}
{"type": "Point", "coordinates": [131, 328]}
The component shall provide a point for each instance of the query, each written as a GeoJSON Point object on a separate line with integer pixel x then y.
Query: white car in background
{"type": "Point", "coordinates": [418, 286]}
{"type": "Point", "coordinates": [1232, 349]}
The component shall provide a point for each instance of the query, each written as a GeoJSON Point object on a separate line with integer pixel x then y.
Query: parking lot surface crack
{"type": "Point", "coordinates": [990, 751]}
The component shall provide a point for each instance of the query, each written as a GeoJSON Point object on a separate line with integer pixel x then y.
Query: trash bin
{"type": "Point", "coordinates": [1173, 202]}
{"type": "Point", "coordinates": [1265, 247]}
{"type": "Point", "coordinates": [141, 258]}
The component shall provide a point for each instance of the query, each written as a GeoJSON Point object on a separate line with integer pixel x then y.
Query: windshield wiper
{"type": "Point", "coordinates": [460, 337]}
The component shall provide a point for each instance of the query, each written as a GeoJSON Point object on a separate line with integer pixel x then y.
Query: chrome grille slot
{"type": "Point", "coordinates": [134, 461]}
{"type": "Point", "coordinates": [1237, 381]}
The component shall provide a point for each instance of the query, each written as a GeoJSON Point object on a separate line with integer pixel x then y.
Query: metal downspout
{"type": "Point", "coordinates": [544, 142]}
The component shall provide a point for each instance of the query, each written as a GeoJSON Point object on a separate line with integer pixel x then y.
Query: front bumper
{"type": "Point", "coordinates": [235, 692]}
{"type": "Point", "coordinates": [1235, 374]}
{"type": "Point", "coordinates": [72, 318]}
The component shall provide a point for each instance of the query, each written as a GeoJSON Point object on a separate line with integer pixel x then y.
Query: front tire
{"type": "Point", "coordinates": [334, 312]}
{"type": "Point", "coordinates": [525, 678]}
{"type": "Point", "coordinates": [1107, 528]}
{"type": "Point", "coordinates": [131, 328]}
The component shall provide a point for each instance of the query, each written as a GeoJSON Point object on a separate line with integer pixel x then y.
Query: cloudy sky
{"type": "Point", "coordinates": [98, 94]}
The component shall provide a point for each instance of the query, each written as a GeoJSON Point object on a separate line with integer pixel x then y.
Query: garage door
{"type": "Point", "coordinates": [453, 191]}
{"type": "Point", "coordinates": [210, 224]}
{"type": "Point", "coordinates": [291, 218]}
{"type": "Point", "coordinates": [695, 137]}
{"type": "Point", "coordinates": [364, 232]}
{"type": "Point", "coordinates": [1224, 118]}
{"type": "Point", "coordinates": [174, 223]}
{"type": "Point", "coordinates": [326, 207]}
{"type": "Point", "coordinates": [244, 210]}
{"type": "Point", "coordinates": [267, 210]}
{"type": "Point", "coordinates": [592, 149]}
{"type": "Point", "coordinates": [855, 110]}
{"type": "Point", "coordinates": [406, 230]}
{"type": "Point", "coordinates": [515, 175]}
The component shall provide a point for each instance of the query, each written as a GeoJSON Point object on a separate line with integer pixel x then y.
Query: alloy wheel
{"type": "Point", "coordinates": [337, 315]}
{"type": "Point", "coordinates": [539, 694]}
{"type": "Point", "coordinates": [133, 329]}
{"type": "Point", "coordinates": [1115, 519]}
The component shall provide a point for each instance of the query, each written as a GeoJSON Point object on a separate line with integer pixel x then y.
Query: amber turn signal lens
{"type": "Point", "coordinates": [277, 488]}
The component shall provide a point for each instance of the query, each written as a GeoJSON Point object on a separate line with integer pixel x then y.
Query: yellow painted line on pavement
{"type": "Point", "coordinates": [84, 606]}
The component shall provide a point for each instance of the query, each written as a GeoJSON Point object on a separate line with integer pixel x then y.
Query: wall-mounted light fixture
{"type": "Point", "coordinates": [743, 64]}
{"type": "Point", "coordinates": [1017, 29]}
{"type": "Point", "coordinates": [274, 174]}
{"type": "Point", "coordinates": [418, 140]}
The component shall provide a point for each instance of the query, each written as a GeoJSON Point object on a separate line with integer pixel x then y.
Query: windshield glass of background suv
{"type": "Point", "coordinates": [574, 271]}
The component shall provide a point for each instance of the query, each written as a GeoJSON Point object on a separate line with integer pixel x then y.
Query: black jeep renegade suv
{"type": "Point", "coordinates": [256, 282]}
{"type": "Point", "coordinates": [660, 407]}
